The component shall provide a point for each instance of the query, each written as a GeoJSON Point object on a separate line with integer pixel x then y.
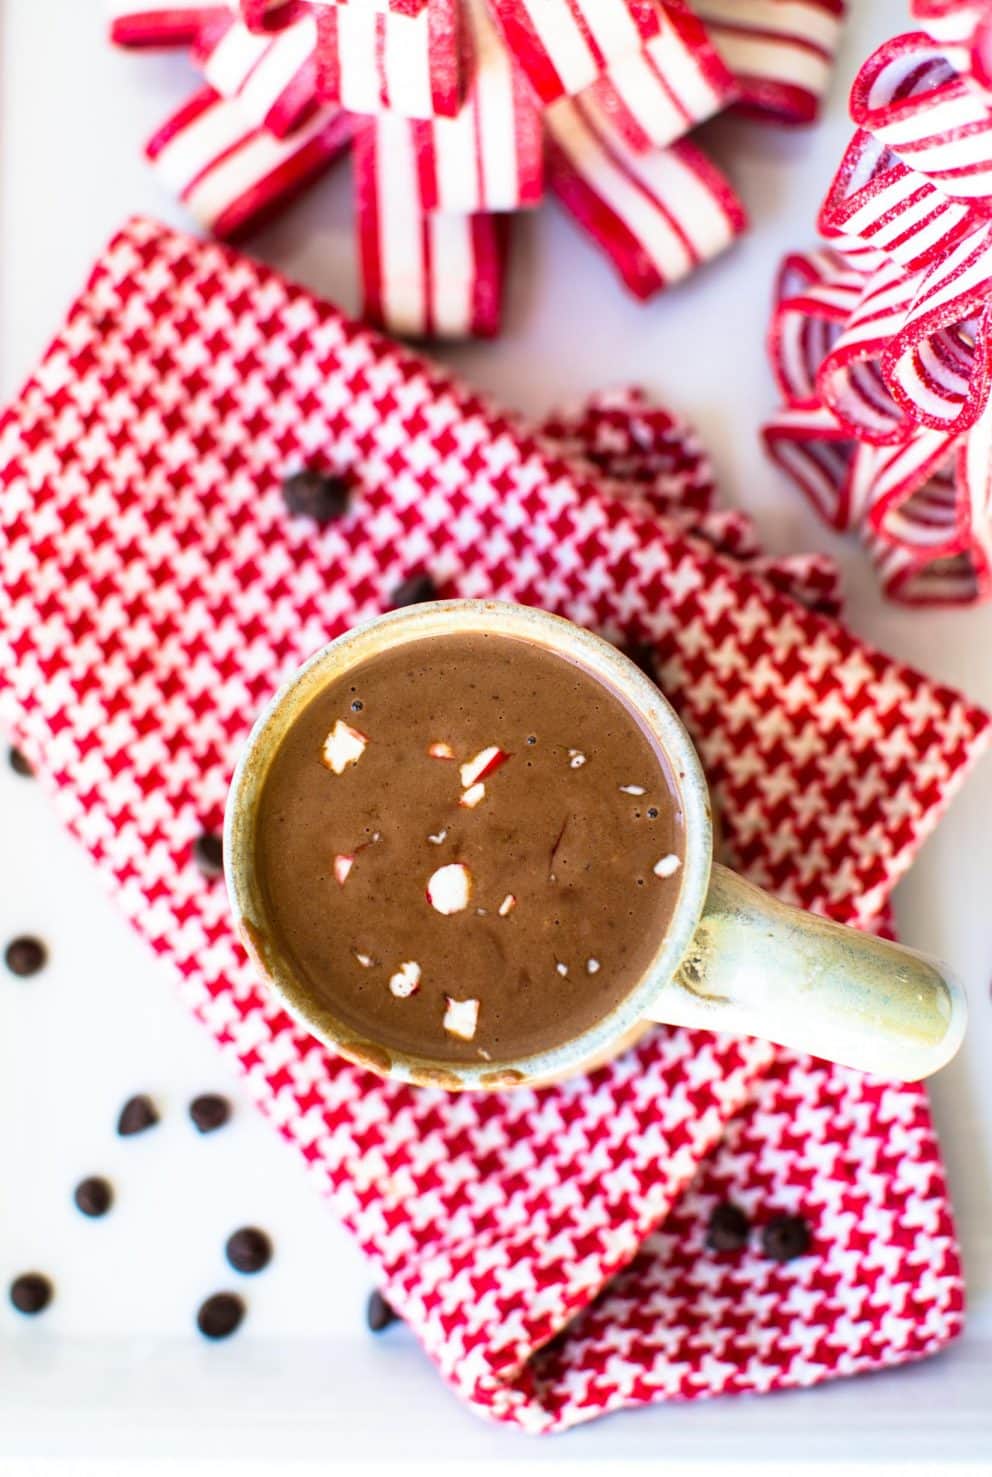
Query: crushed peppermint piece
{"type": "Point", "coordinates": [438, 837]}
{"type": "Point", "coordinates": [484, 763]}
{"type": "Point", "coordinates": [592, 966]}
{"type": "Point", "coordinates": [342, 866]}
{"type": "Point", "coordinates": [461, 1017]}
{"type": "Point", "coordinates": [450, 888]}
{"type": "Point", "coordinates": [440, 751]}
{"type": "Point", "coordinates": [576, 758]}
{"type": "Point", "coordinates": [365, 960]}
{"type": "Point", "coordinates": [406, 981]}
{"type": "Point", "coordinates": [344, 745]}
{"type": "Point", "coordinates": [668, 865]}
{"type": "Point", "coordinates": [507, 906]}
{"type": "Point", "coordinates": [561, 968]}
{"type": "Point", "coordinates": [473, 796]}
{"type": "Point", "coordinates": [632, 790]}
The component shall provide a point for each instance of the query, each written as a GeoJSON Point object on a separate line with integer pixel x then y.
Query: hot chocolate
{"type": "Point", "coordinates": [469, 848]}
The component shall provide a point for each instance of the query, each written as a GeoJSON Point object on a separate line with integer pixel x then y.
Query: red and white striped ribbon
{"type": "Point", "coordinates": [815, 294]}
{"type": "Point", "coordinates": [491, 157]}
{"type": "Point", "coordinates": [878, 199]}
{"type": "Point", "coordinates": [656, 215]}
{"type": "Point", "coordinates": [159, 23]}
{"type": "Point", "coordinates": [374, 61]}
{"type": "Point", "coordinates": [810, 445]}
{"type": "Point", "coordinates": [910, 98]}
{"type": "Point", "coordinates": [850, 380]}
{"type": "Point", "coordinates": [270, 15]}
{"type": "Point", "coordinates": [649, 98]}
{"type": "Point", "coordinates": [564, 45]}
{"type": "Point", "coordinates": [964, 32]}
{"type": "Point", "coordinates": [780, 51]}
{"type": "Point", "coordinates": [231, 174]}
{"type": "Point", "coordinates": [936, 362]}
{"type": "Point", "coordinates": [274, 78]}
{"type": "Point", "coordinates": [425, 274]}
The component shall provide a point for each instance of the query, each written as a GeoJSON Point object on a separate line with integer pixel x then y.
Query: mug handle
{"type": "Point", "coordinates": [757, 967]}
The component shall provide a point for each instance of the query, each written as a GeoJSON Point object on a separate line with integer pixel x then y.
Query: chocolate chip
{"type": "Point", "coordinates": [208, 853]}
{"type": "Point", "coordinates": [413, 591]}
{"type": "Point", "coordinates": [19, 763]}
{"type": "Point", "coordinates": [137, 1114]}
{"type": "Point", "coordinates": [378, 1313]}
{"type": "Point", "coordinates": [248, 1250]}
{"type": "Point", "coordinates": [220, 1315]}
{"type": "Point", "coordinates": [643, 656]}
{"type": "Point", "coordinates": [785, 1237]}
{"type": "Point", "coordinates": [209, 1111]}
{"type": "Point", "coordinates": [93, 1196]}
{"type": "Point", "coordinates": [31, 1292]}
{"type": "Point", "coordinates": [728, 1228]}
{"type": "Point", "coordinates": [25, 956]}
{"type": "Point", "coordinates": [318, 495]}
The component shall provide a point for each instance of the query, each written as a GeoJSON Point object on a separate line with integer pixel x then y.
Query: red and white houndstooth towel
{"type": "Point", "coordinates": [153, 592]}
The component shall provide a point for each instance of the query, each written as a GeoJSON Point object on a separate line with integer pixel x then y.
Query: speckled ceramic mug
{"type": "Point", "coordinates": [733, 958]}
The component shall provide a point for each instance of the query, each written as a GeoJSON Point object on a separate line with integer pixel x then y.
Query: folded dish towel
{"type": "Point", "coordinates": [548, 1247]}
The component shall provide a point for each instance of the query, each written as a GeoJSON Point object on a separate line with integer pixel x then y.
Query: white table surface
{"type": "Point", "coordinates": [113, 1373]}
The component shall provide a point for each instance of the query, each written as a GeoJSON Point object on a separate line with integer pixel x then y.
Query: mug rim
{"type": "Point", "coordinates": [603, 662]}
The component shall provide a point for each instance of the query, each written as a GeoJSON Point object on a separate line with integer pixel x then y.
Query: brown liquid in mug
{"type": "Point", "coordinates": [559, 877]}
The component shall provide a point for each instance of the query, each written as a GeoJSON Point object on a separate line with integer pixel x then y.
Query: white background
{"type": "Point", "coordinates": [114, 1370]}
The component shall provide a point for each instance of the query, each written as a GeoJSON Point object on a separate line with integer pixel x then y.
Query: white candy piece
{"type": "Point", "coordinates": [344, 745]}
{"type": "Point", "coordinates": [473, 796]}
{"type": "Point", "coordinates": [406, 981]}
{"type": "Point", "coordinates": [342, 866]}
{"type": "Point", "coordinates": [576, 759]}
{"type": "Point", "coordinates": [484, 763]}
{"type": "Point", "coordinates": [632, 790]}
{"type": "Point", "coordinates": [592, 966]}
{"type": "Point", "coordinates": [440, 751]}
{"type": "Point", "coordinates": [562, 969]}
{"type": "Point", "coordinates": [507, 906]}
{"type": "Point", "coordinates": [365, 960]}
{"type": "Point", "coordinates": [668, 865]}
{"type": "Point", "coordinates": [450, 888]}
{"type": "Point", "coordinates": [438, 837]}
{"type": "Point", "coordinates": [461, 1017]}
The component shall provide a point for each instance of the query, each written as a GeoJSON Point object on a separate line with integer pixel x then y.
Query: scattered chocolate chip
{"type": "Point", "coordinates": [137, 1114]}
{"type": "Point", "coordinates": [413, 591]}
{"type": "Point", "coordinates": [248, 1250]}
{"type": "Point", "coordinates": [25, 956]}
{"type": "Point", "coordinates": [378, 1313]}
{"type": "Point", "coordinates": [93, 1196]}
{"type": "Point", "coordinates": [209, 1111]}
{"type": "Point", "coordinates": [220, 1315]}
{"type": "Point", "coordinates": [31, 1292]}
{"type": "Point", "coordinates": [321, 496]}
{"type": "Point", "coordinates": [728, 1228]}
{"type": "Point", "coordinates": [785, 1237]}
{"type": "Point", "coordinates": [19, 763]}
{"type": "Point", "coordinates": [208, 853]}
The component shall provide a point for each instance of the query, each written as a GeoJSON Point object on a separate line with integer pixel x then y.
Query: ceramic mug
{"type": "Point", "coordinates": [733, 959]}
